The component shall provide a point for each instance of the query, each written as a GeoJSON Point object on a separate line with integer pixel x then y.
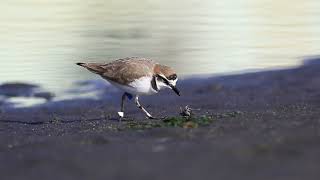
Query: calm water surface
{"type": "Point", "coordinates": [41, 40]}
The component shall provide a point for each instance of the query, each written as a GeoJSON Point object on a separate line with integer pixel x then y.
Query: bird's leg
{"type": "Point", "coordinates": [122, 101]}
{"type": "Point", "coordinates": [123, 98]}
{"type": "Point", "coordinates": [136, 100]}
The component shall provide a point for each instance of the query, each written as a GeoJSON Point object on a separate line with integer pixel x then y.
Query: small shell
{"type": "Point", "coordinates": [186, 111]}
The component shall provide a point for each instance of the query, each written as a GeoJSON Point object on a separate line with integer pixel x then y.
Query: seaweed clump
{"type": "Point", "coordinates": [188, 121]}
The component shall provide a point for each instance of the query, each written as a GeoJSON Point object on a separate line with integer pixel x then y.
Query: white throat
{"type": "Point", "coordinates": [161, 85]}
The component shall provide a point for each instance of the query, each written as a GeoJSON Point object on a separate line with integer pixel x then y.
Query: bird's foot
{"type": "Point", "coordinates": [156, 117]}
{"type": "Point", "coordinates": [124, 118]}
{"type": "Point", "coordinates": [121, 114]}
{"type": "Point", "coordinates": [151, 117]}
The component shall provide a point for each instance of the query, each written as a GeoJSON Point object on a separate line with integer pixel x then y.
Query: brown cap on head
{"type": "Point", "coordinates": [170, 75]}
{"type": "Point", "coordinates": [165, 70]}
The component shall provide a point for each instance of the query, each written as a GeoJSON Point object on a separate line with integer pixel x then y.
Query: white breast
{"type": "Point", "coordinates": [141, 86]}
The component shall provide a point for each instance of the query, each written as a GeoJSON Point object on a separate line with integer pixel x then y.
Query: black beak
{"type": "Point", "coordinates": [174, 88]}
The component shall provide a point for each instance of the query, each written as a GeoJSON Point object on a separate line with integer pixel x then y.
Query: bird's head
{"type": "Point", "coordinates": [166, 77]}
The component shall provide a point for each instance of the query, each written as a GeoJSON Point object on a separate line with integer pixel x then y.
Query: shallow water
{"type": "Point", "coordinates": [41, 40]}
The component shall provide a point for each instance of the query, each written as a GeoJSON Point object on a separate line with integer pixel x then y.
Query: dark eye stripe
{"type": "Point", "coordinates": [164, 80]}
{"type": "Point", "coordinates": [173, 77]}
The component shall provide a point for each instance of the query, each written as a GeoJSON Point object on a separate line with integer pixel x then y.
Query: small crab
{"type": "Point", "coordinates": [186, 111]}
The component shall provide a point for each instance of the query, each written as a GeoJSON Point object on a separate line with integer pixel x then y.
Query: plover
{"type": "Point", "coordinates": [135, 77]}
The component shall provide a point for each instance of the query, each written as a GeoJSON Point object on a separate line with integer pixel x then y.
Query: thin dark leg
{"type": "Point", "coordinates": [121, 113]}
{"type": "Point", "coordinates": [142, 108]}
{"type": "Point", "coordinates": [122, 101]}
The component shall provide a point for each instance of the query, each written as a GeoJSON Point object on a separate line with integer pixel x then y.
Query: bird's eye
{"type": "Point", "coordinates": [173, 77]}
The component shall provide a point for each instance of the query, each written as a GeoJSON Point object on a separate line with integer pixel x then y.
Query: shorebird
{"type": "Point", "coordinates": [135, 77]}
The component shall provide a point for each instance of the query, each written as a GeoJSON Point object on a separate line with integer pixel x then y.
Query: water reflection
{"type": "Point", "coordinates": [40, 40]}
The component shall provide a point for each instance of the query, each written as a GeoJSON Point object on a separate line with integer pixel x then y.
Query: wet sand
{"type": "Point", "coordinates": [265, 125]}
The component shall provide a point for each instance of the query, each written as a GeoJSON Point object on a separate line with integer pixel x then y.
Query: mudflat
{"type": "Point", "coordinates": [262, 125]}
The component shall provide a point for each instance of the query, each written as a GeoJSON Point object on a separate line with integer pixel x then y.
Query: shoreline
{"type": "Point", "coordinates": [264, 125]}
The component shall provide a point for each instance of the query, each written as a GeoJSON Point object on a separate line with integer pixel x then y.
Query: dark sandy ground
{"type": "Point", "coordinates": [263, 125]}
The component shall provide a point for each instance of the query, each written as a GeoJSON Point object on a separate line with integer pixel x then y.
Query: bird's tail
{"type": "Point", "coordinates": [93, 67]}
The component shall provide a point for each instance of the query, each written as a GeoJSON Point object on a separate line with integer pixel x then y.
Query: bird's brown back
{"type": "Point", "coordinates": [122, 71]}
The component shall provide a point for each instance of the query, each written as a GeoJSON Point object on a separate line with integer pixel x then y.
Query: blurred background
{"type": "Point", "coordinates": [59, 121]}
{"type": "Point", "coordinates": [41, 40]}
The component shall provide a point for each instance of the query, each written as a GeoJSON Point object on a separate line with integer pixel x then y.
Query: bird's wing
{"type": "Point", "coordinates": [123, 71]}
